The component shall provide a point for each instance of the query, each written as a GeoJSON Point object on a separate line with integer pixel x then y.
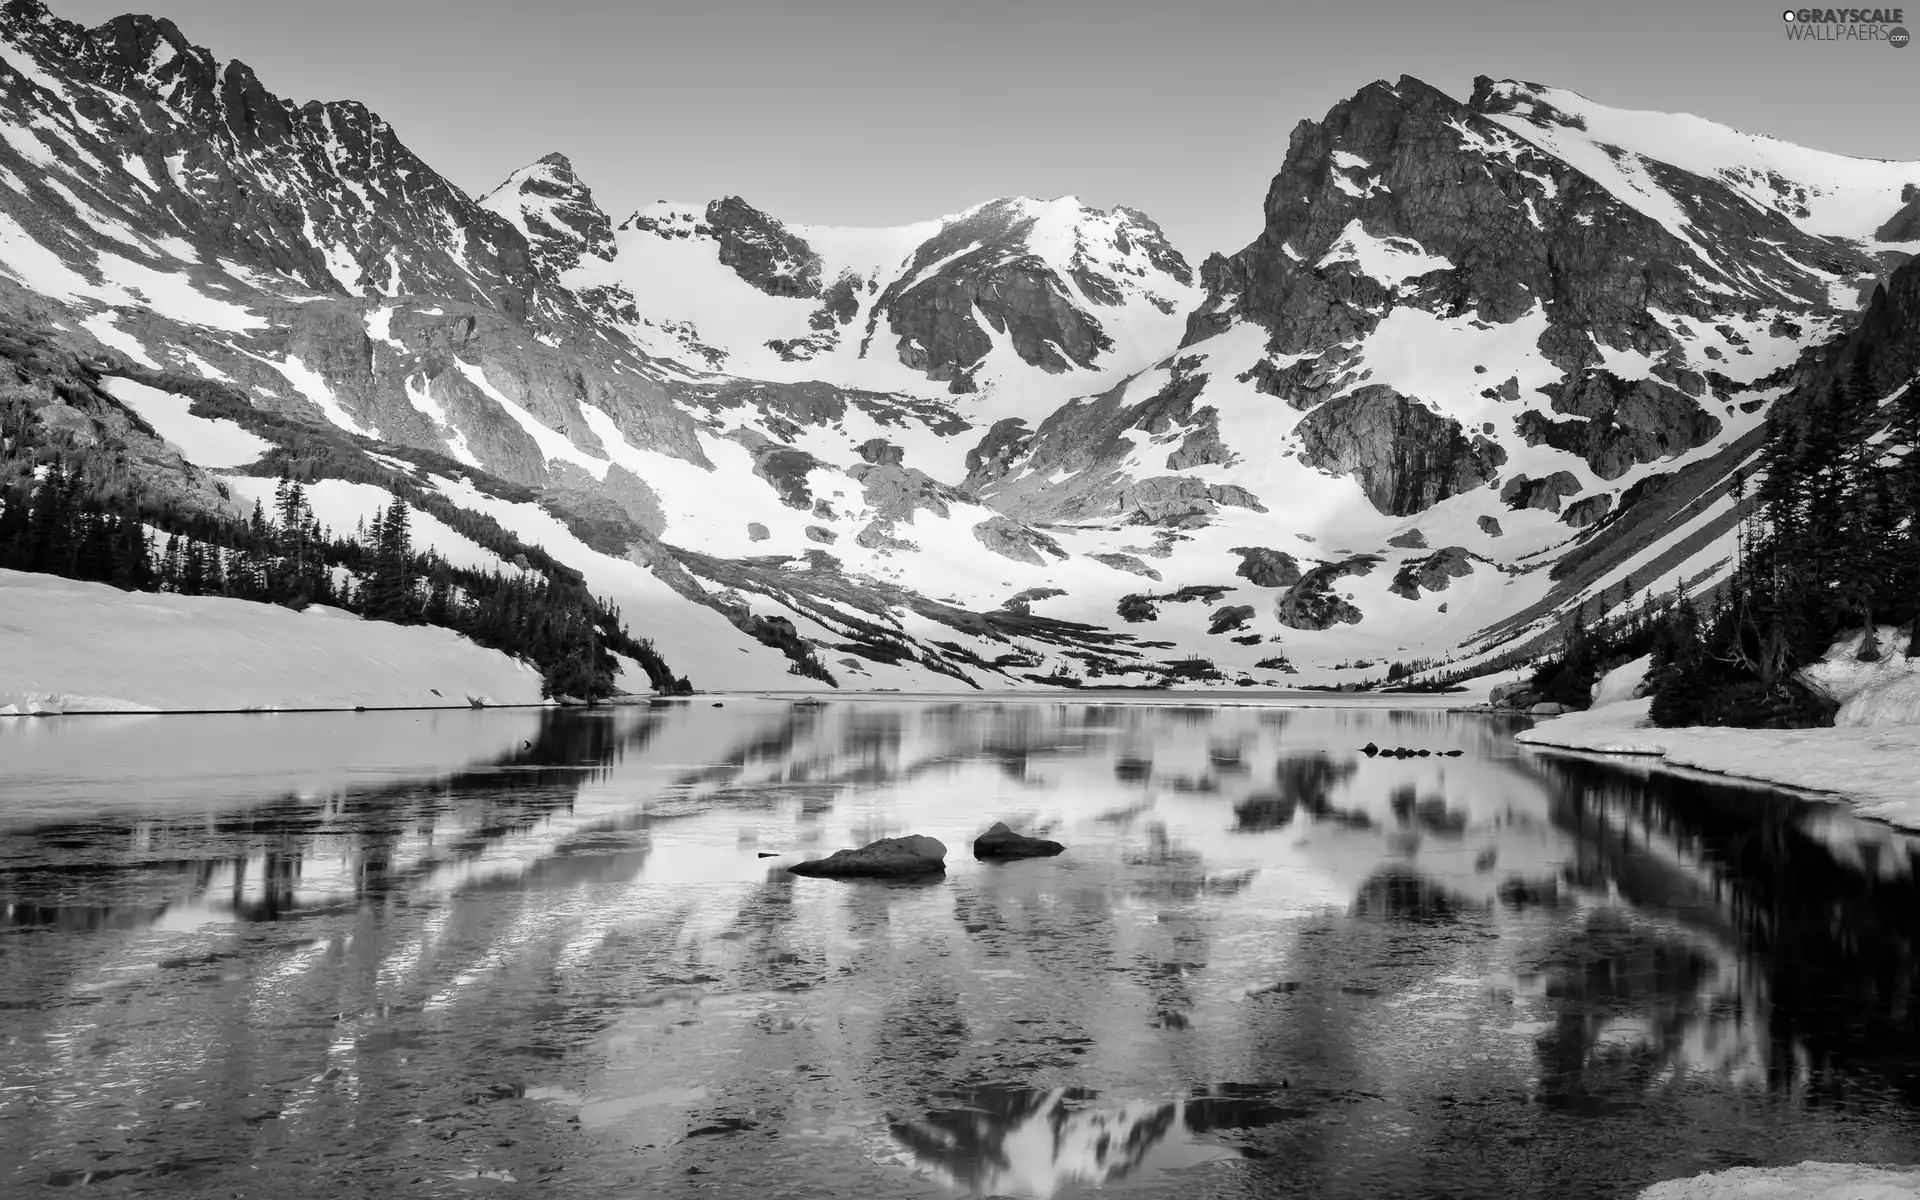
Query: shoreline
{"type": "Point", "coordinates": [1874, 770]}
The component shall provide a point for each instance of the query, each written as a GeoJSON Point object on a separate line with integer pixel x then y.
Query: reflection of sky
{"type": "Point", "coordinates": [1244, 897]}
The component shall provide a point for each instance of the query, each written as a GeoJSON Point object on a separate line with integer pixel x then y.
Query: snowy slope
{"type": "Point", "coordinates": [67, 646]}
{"type": "Point", "coordinates": [1825, 194]}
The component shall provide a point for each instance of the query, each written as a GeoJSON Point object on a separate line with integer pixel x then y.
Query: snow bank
{"type": "Point", "coordinates": [1883, 692]}
{"type": "Point", "coordinates": [1894, 702]}
{"type": "Point", "coordinates": [1808, 1181]}
{"type": "Point", "coordinates": [1622, 683]}
{"type": "Point", "coordinates": [67, 646]}
{"type": "Point", "coordinates": [1877, 769]}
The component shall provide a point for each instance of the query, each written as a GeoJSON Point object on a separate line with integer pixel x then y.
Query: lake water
{"type": "Point", "coordinates": [425, 954]}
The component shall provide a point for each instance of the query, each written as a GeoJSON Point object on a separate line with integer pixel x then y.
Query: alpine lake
{"type": "Point", "coordinates": [558, 952]}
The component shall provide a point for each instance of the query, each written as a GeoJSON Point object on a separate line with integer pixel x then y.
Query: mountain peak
{"type": "Point", "coordinates": [547, 202]}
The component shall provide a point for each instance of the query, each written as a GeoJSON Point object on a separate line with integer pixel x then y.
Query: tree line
{"type": "Point", "coordinates": [1828, 545]}
{"type": "Point", "coordinates": [1832, 545]}
{"type": "Point", "coordinates": [59, 525]}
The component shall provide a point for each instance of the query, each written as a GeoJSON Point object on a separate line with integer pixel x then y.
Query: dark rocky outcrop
{"type": "Point", "coordinates": [1267, 568]}
{"type": "Point", "coordinates": [1004, 442]}
{"type": "Point", "coordinates": [1585, 511]}
{"type": "Point", "coordinates": [899, 857]}
{"type": "Point", "coordinates": [1412, 539]}
{"type": "Point", "coordinates": [1312, 603]}
{"type": "Point", "coordinates": [1519, 227]}
{"type": "Point", "coordinates": [1406, 457]}
{"type": "Point", "coordinates": [1203, 446]}
{"type": "Point", "coordinates": [1001, 842]}
{"type": "Point", "coordinates": [1309, 381]}
{"type": "Point", "coordinates": [1230, 618]}
{"type": "Point", "coordinates": [762, 251]}
{"type": "Point", "coordinates": [1522, 492]}
{"type": "Point", "coordinates": [1128, 563]}
{"type": "Point", "coordinates": [981, 263]}
{"type": "Point", "coordinates": [1432, 573]}
{"type": "Point", "coordinates": [1617, 424]}
{"type": "Point", "coordinates": [1490, 526]}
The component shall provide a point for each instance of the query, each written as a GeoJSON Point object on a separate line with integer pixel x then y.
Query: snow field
{"type": "Point", "coordinates": [68, 646]}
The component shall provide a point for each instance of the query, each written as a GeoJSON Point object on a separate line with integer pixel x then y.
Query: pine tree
{"type": "Point", "coordinates": [170, 566]}
{"type": "Point", "coordinates": [193, 571]}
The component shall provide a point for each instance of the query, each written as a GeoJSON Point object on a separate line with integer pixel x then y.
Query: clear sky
{"type": "Point", "coordinates": [864, 112]}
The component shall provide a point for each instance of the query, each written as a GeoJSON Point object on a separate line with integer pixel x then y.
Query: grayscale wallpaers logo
{"type": "Point", "coordinates": [1847, 25]}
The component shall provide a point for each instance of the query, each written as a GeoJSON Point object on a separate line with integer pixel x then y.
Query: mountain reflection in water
{"type": "Point", "coordinates": [544, 947]}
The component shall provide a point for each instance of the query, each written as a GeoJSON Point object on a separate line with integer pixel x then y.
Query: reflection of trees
{"type": "Point", "coordinates": [1832, 948]}
{"type": "Point", "coordinates": [260, 854]}
{"type": "Point", "coordinates": [1301, 781]}
{"type": "Point", "coordinates": [1608, 968]}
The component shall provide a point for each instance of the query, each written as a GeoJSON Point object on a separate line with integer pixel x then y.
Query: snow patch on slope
{"type": "Point", "coordinates": [207, 442]}
{"type": "Point", "coordinates": [68, 646]}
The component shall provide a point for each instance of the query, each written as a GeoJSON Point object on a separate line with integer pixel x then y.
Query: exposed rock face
{"type": "Point", "coordinates": [1001, 842]}
{"type": "Point", "coordinates": [1584, 512]}
{"type": "Point", "coordinates": [1617, 424]}
{"type": "Point", "coordinates": [1490, 526]}
{"type": "Point", "coordinates": [1010, 539]}
{"type": "Point", "coordinates": [1312, 603]}
{"type": "Point", "coordinates": [762, 251]}
{"type": "Point", "coordinates": [1127, 563]}
{"type": "Point", "coordinates": [1203, 446]}
{"type": "Point", "coordinates": [1181, 501]}
{"type": "Point", "coordinates": [1432, 573]}
{"type": "Point", "coordinates": [879, 534]}
{"type": "Point", "coordinates": [982, 262]}
{"type": "Point", "coordinates": [1511, 225]}
{"type": "Point", "coordinates": [1230, 618]}
{"type": "Point", "coordinates": [887, 858]}
{"type": "Point", "coordinates": [1267, 568]}
{"type": "Point", "coordinates": [756, 532]}
{"type": "Point", "coordinates": [1407, 457]}
{"type": "Point", "coordinates": [556, 211]}
{"type": "Point", "coordinates": [1412, 539]}
{"type": "Point", "coordinates": [1521, 492]}
{"type": "Point", "coordinates": [1308, 382]}
{"type": "Point", "coordinates": [1005, 441]}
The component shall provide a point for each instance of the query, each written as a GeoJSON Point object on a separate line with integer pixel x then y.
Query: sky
{"type": "Point", "coordinates": [884, 112]}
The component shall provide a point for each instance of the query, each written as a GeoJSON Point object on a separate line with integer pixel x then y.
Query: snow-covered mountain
{"type": "Point", "coordinates": [1485, 359]}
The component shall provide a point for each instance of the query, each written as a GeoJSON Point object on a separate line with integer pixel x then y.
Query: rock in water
{"type": "Point", "coordinates": [1001, 842]}
{"type": "Point", "coordinates": [888, 858]}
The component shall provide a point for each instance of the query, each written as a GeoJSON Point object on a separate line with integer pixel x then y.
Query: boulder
{"type": "Point", "coordinates": [1002, 842]}
{"type": "Point", "coordinates": [888, 858]}
{"type": "Point", "coordinates": [1508, 693]}
{"type": "Point", "coordinates": [1547, 708]}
